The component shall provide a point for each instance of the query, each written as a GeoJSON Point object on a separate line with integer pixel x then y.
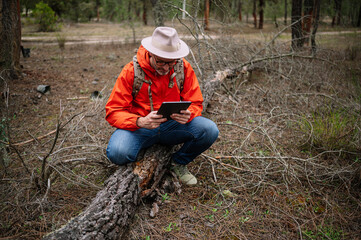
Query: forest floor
{"type": "Point", "coordinates": [262, 179]}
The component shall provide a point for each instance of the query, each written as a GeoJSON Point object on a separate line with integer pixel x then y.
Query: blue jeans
{"type": "Point", "coordinates": [197, 136]}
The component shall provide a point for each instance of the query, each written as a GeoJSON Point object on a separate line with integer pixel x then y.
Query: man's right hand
{"type": "Point", "coordinates": [151, 121]}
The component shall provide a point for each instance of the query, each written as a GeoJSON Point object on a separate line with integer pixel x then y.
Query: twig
{"type": "Point", "coordinates": [50, 151]}
{"type": "Point", "coordinates": [214, 174]}
{"type": "Point", "coordinates": [31, 135]}
{"type": "Point", "coordinates": [77, 98]}
{"type": "Point", "coordinates": [224, 164]}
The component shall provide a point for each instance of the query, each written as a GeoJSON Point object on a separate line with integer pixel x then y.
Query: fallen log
{"type": "Point", "coordinates": [109, 214]}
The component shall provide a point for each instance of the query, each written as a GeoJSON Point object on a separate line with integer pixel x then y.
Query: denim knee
{"type": "Point", "coordinates": [208, 129]}
{"type": "Point", "coordinates": [117, 156]}
{"type": "Point", "coordinates": [120, 154]}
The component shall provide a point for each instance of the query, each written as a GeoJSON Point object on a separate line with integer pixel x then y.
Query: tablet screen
{"type": "Point", "coordinates": [168, 108]}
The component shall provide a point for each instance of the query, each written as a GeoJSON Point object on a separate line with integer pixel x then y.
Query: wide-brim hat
{"type": "Point", "coordinates": [165, 43]}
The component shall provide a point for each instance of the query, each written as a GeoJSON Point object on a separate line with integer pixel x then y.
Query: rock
{"type": "Point", "coordinates": [43, 88]}
{"type": "Point", "coordinates": [154, 210]}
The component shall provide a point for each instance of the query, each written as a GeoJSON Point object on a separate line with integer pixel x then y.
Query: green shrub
{"type": "Point", "coordinates": [45, 17]}
{"type": "Point", "coordinates": [333, 130]}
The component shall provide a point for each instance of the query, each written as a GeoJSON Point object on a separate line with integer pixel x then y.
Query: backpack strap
{"type": "Point", "coordinates": [178, 74]}
{"type": "Point", "coordinates": [139, 79]}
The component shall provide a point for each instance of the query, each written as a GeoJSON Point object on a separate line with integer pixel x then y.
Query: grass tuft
{"type": "Point", "coordinates": [332, 130]}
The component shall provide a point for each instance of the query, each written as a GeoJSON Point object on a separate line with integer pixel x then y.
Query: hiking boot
{"type": "Point", "coordinates": [183, 174]}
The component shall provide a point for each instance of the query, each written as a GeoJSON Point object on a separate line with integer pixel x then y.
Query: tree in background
{"type": "Point", "coordinates": [45, 17]}
{"type": "Point", "coordinates": [144, 15]}
{"type": "Point", "coordinates": [359, 18]}
{"type": "Point", "coordinates": [307, 20]}
{"type": "Point", "coordinates": [60, 7]}
{"type": "Point", "coordinates": [296, 28]}
{"type": "Point", "coordinates": [158, 12]}
{"type": "Point", "coordinates": [240, 10]}
{"type": "Point", "coordinates": [10, 38]}
{"type": "Point", "coordinates": [254, 13]}
{"type": "Point", "coordinates": [336, 19]}
{"type": "Point", "coordinates": [97, 6]}
{"type": "Point", "coordinates": [28, 5]}
{"type": "Point", "coordinates": [88, 10]}
{"type": "Point", "coordinates": [261, 14]}
{"type": "Point", "coordinates": [316, 18]}
{"type": "Point", "coordinates": [285, 16]}
{"type": "Point", "coordinates": [206, 14]}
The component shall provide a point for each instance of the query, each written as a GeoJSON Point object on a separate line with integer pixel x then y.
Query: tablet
{"type": "Point", "coordinates": [168, 108]}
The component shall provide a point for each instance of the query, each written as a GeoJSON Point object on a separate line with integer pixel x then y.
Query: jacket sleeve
{"type": "Point", "coordinates": [191, 91]}
{"type": "Point", "coordinates": [118, 107]}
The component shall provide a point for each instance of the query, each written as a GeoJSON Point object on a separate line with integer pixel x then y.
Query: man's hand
{"type": "Point", "coordinates": [151, 121]}
{"type": "Point", "coordinates": [181, 117]}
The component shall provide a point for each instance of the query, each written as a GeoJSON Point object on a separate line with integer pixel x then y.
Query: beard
{"type": "Point", "coordinates": [161, 71]}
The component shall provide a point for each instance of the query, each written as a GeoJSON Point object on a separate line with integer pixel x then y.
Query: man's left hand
{"type": "Point", "coordinates": [181, 117]}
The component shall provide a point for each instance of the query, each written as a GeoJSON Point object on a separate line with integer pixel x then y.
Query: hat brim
{"type": "Point", "coordinates": [182, 52]}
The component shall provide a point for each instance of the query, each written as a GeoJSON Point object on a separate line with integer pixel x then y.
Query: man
{"type": "Point", "coordinates": [135, 115]}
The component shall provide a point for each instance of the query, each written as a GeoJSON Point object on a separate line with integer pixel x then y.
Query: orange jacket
{"type": "Point", "coordinates": [122, 111]}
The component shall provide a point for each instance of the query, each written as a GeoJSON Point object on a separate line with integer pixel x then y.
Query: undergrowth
{"type": "Point", "coordinates": [333, 129]}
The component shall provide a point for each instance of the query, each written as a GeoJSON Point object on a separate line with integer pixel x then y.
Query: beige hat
{"type": "Point", "coordinates": [165, 43]}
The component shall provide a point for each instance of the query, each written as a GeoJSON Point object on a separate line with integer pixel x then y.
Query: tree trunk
{"type": "Point", "coordinates": [10, 38]}
{"type": "Point", "coordinates": [110, 213]}
{"type": "Point", "coordinates": [240, 10]}
{"type": "Point", "coordinates": [261, 6]}
{"type": "Point", "coordinates": [297, 24]}
{"type": "Point", "coordinates": [307, 20]}
{"type": "Point", "coordinates": [316, 18]}
{"type": "Point", "coordinates": [254, 13]}
{"type": "Point", "coordinates": [184, 9]}
{"type": "Point", "coordinates": [97, 5]}
{"type": "Point", "coordinates": [359, 18]}
{"type": "Point", "coordinates": [338, 11]}
{"type": "Point", "coordinates": [206, 14]}
{"type": "Point", "coordinates": [144, 15]}
{"type": "Point", "coordinates": [285, 20]}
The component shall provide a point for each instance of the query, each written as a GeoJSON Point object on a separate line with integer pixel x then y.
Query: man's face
{"type": "Point", "coordinates": [162, 65]}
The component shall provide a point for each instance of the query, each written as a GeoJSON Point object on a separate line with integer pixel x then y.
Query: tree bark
{"type": "Point", "coordinates": [254, 13]}
{"type": "Point", "coordinates": [297, 24]}
{"type": "Point", "coordinates": [184, 9]}
{"type": "Point", "coordinates": [316, 18]}
{"type": "Point", "coordinates": [206, 14]}
{"type": "Point", "coordinates": [240, 10]}
{"type": "Point", "coordinates": [10, 38]}
{"type": "Point", "coordinates": [261, 7]}
{"type": "Point", "coordinates": [97, 6]}
{"type": "Point", "coordinates": [285, 20]}
{"type": "Point", "coordinates": [338, 11]}
{"type": "Point", "coordinates": [359, 18]}
{"type": "Point", "coordinates": [307, 20]}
